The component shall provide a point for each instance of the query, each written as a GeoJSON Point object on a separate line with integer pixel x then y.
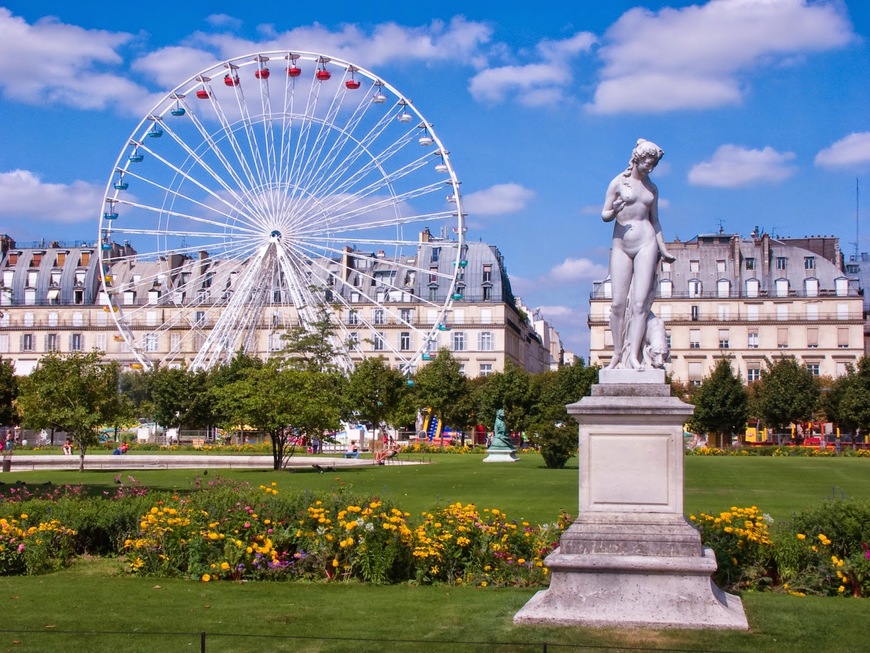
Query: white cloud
{"type": "Point", "coordinates": [224, 21]}
{"type": "Point", "coordinates": [577, 269]}
{"type": "Point", "coordinates": [456, 40]}
{"type": "Point", "coordinates": [65, 64]}
{"type": "Point", "coordinates": [23, 195]}
{"type": "Point", "coordinates": [549, 312]}
{"type": "Point", "coordinates": [535, 84]}
{"type": "Point", "coordinates": [732, 166]}
{"type": "Point", "coordinates": [168, 67]}
{"type": "Point", "coordinates": [852, 150]}
{"type": "Point", "coordinates": [692, 57]}
{"type": "Point", "coordinates": [498, 200]}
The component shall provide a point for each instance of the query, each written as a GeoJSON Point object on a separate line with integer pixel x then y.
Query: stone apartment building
{"type": "Point", "coordinates": [749, 299]}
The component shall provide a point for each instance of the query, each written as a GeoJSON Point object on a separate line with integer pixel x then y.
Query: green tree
{"type": "Point", "coordinates": [181, 398]}
{"type": "Point", "coordinates": [848, 401]}
{"type": "Point", "coordinates": [553, 390]}
{"type": "Point", "coordinates": [510, 390]}
{"type": "Point", "coordinates": [284, 402]}
{"type": "Point", "coordinates": [76, 393]}
{"type": "Point", "coordinates": [8, 392]}
{"type": "Point", "coordinates": [312, 345]}
{"type": "Point", "coordinates": [375, 390]}
{"type": "Point", "coordinates": [786, 393]}
{"type": "Point", "coordinates": [721, 404]}
{"type": "Point", "coordinates": [441, 386]}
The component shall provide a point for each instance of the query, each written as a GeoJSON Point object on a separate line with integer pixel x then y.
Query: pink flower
{"type": "Point", "coordinates": [20, 547]}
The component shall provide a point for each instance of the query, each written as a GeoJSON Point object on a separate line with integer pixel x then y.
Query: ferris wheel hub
{"type": "Point", "coordinates": [275, 235]}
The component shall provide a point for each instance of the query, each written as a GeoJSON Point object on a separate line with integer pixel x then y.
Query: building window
{"type": "Point", "coordinates": [782, 312]}
{"type": "Point", "coordinates": [486, 369]}
{"type": "Point", "coordinates": [665, 312]}
{"type": "Point", "coordinates": [843, 338]}
{"type": "Point", "coordinates": [694, 266]}
{"type": "Point", "coordinates": [487, 273]}
{"type": "Point", "coordinates": [433, 294]}
{"type": "Point", "coordinates": [352, 317]}
{"type": "Point", "coordinates": [150, 342]}
{"type": "Point", "coordinates": [694, 288]}
{"type": "Point", "coordinates": [695, 312]}
{"type": "Point", "coordinates": [405, 315]}
{"type": "Point", "coordinates": [753, 374]}
{"type": "Point", "coordinates": [694, 339]}
{"type": "Point", "coordinates": [78, 296]}
{"type": "Point", "coordinates": [781, 262]}
{"type": "Point", "coordinates": [724, 339]}
{"type": "Point", "coordinates": [813, 368]}
{"type": "Point", "coordinates": [51, 342]}
{"type": "Point", "coordinates": [752, 340]}
{"type": "Point", "coordinates": [26, 342]}
{"type": "Point", "coordinates": [487, 293]}
{"type": "Point", "coordinates": [433, 274]}
{"type": "Point", "coordinates": [485, 341]}
{"type": "Point", "coordinates": [812, 338]}
{"type": "Point", "coordinates": [723, 311]}
{"type": "Point", "coordinates": [405, 341]}
{"type": "Point", "coordinates": [782, 338]}
{"type": "Point", "coordinates": [723, 288]}
{"type": "Point", "coordinates": [30, 296]}
{"type": "Point", "coordinates": [720, 267]}
{"type": "Point", "coordinates": [4, 343]}
{"type": "Point", "coordinates": [458, 341]}
{"type": "Point", "coordinates": [666, 288]}
{"type": "Point", "coordinates": [842, 311]}
{"type": "Point", "coordinates": [75, 342]}
{"type": "Point", "coordinates": [809, 262]}
{"type": "Point", "coordinates": [752, 286]}
{"type": "Point", "coordinates": [353, 341]}
{"type": "Point", "coordinates": [750, 264]}
{"type": "Point", "coordinates": [695, 375]}
{"type": "Point", "coordinates": [811, 287]}
{"type": "Point", "coordinates": [812, 311]}
{"type": "Point", "coordinates": [666, 266]}
{"type": "Point", "coordinates": [378, 342]}
{"type": "Point", "coordinates": [379, 316]}
{"type": "Point", "coordinates": [782, 287]}
{"type": "Point", "coordinates": [436, 254]}
{"type": "Point", "coordinates": [841, 287]}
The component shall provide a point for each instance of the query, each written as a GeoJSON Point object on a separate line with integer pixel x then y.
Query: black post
{"type": "Point", "coordinates": [202, 642]}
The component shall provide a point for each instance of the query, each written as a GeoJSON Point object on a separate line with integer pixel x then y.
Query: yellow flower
{"type": "Point", "coordinates": [483, 584]}
{"type": "Point", "coordinates": [841, 589]}
{"type": "Point", "coordinates": [225, 566]}
{"type": "Point", "coordinates": [206, 578]}
{"type": "Point", "coordinates": [801, 536]}
{"type": "Point", "coordinates": [23, 515]}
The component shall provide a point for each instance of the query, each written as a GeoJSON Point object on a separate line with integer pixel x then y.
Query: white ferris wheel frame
{"type": "Point", "coordinates": [253, 171]}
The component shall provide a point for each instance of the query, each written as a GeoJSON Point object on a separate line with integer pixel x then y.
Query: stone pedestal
{"type": "Point", "coordinates": [501, 455]}
{"type": "Point", "coordinates": [631, 558]}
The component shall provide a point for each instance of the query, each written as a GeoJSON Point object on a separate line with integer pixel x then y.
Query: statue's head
{"type": "Point", "coordinates": [642, 150]}
{"type": "Point", "coordinates": [499, 412]}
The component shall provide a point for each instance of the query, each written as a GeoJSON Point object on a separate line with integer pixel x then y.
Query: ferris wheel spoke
{"type": "Point", "coordinates": [332, 185]}
{"type": "Point", "coordinates": [187, 216]}
{"type": "Point", "coordinates": [243, 181]}
{"type": "Point", "coordinates": [200, 162]}
{"type": "Point", "coordinates": [253, 147]}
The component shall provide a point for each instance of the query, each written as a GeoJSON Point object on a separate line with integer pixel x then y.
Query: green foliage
{"type": "Point", "coordinates": [287, 403]}
{"type": "Point", "coordinates": [181, 398]}
{"type": "Point", "coordinates": [553, 390]}
{"type": "Point", "coordinates": [786, 393]}
{"type": "Point", "coordinates": [848, 401]}
{"type": "Point", "coordinates": [313, 345]}
{"type": "Point", "coordinates": [509, 390]}
{"type": "Point", "coordinates": [440, 385]}
{"type": "Point", "coordinates": [721, 403]}
{"type": "Point", "coordinates": [76, 393]}
{"type": "Point", "coordinates": [375, 390]}
{"type": "Point", "coordinates": [556, 443]}
{"type": "Point", "coordinates": [8, 392]}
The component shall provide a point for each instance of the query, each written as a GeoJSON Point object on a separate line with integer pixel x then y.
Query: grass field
{"type": "Point", "coordinates": [131, 614]}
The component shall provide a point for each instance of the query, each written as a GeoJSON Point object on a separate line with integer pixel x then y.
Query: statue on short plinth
{"type": "Point", "coordinates": [639, 339]}
{"type": "Point", "coordinates": [500, 448]}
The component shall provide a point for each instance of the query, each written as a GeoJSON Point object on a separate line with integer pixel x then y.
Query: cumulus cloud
{"type": "Point", "coordinates": [167, 67]}
{"type": "Point", "coordinates": [852, 150]}
{"type": "Point", "coordinates": [66, 65]}
{"type": "Point", "coordinates": [693, 57]}
{"type": "Point", "coordinates": [732, 166]}
{"type": "Point", "coordinates": [534, 84]}
{"type": "Point", "coordinates": [556, 311]}
{"type": "Point", "coordinates": [577, 269]}
{"type": "Point", "coordinates": [498, 200]}
{"type": "Point", "coordinates": [224, 21]}
{"type": "Point", "coordinates": [23, 195]}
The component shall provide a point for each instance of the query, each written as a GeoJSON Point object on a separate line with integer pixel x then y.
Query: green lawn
{"type": "Point", "coordinates": [94, 595]}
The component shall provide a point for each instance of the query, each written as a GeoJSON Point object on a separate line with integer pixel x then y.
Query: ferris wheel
{"type": "Point", "coordinates": [271, 191]}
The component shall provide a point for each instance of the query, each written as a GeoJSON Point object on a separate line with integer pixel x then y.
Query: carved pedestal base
{"type": "Point", "coordinates": [631, 558]}
{"type": "Point", "coordinates": [501, 456]}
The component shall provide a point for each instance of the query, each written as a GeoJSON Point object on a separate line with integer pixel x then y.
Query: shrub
{"type": "Point", "coordinates": [556, 443]}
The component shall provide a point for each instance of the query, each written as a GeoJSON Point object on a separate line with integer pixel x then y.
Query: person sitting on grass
{"type": "Point", "coordinates": [352, 450]}
{"type": "Point", "coordinates": [390, 452]}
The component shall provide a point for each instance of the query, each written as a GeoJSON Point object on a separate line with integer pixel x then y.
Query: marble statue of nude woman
{"type": "Point", "coordinates": [632, 201]}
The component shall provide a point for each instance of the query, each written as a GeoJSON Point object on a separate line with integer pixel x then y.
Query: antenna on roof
{"type": "Point", "coordinates": [721, 225]}
{"type": "Point", "coordinates": [857, 241]}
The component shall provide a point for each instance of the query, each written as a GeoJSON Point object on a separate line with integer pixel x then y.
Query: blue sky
{"type": "Point", "coordinates": [761, 107]}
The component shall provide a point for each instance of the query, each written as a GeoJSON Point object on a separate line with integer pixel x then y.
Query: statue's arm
{"type": "Point", "coordinates": [612, 201]}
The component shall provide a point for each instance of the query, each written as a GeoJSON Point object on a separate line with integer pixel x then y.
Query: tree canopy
{"type": "Point", "coordinates": [721, 404]}
{"type": "Point", "coordinates": [786, 393]}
